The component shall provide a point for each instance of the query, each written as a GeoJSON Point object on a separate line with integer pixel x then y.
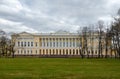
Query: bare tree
{"type": "Point", "coordinates": [12, 44]}
{"type": "Point", "coordinates": [80, 43]}
{"type": "Point", "coordinates": [85, 41]}
{"type": "Point", "coordinates": [100, 35]}
{"type": "Point", "coordinates": [115, 33]}
{"type": "Point", "coordinates": [4, 44]}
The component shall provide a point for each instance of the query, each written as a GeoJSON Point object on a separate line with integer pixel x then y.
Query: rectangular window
{"type": "Point", "coordinates": [44, 44]}
{"type": "Point", "coordinates": [67, 44]}
{"type": "Point", "coordinates": [31, 44]}
{"type": "Point", "coordinates": [57, 44]}
{"type": "Point", "coordinates": [25, 44]}
{"type": "Point", "coordinates": [21, 51]}
{"type": "Point", "coordinates": [53, 44]}
{"type": "Point", "coordinates": [63, 44]}
{"type": "Point", "coordinates": [24, 51]}
{"type": "Point", "coordinates": [18, 51]}
{"type": "Point", "coordinates": [36, 44]}
{"type": "Point", "coordinates": [73, 43]}
{"type": "Point", "coordinates": [47, 44]}
{"type": "Point", "coordinates": [22, 44]}
{"type": "Point", "coordinates": [28, 44]}
{"type": "Point", "coordinates": [18, 43]}
{"type": "Point", "coordinates": [36, 51]}
{"type": "Point", "coordinates": [50, 44]}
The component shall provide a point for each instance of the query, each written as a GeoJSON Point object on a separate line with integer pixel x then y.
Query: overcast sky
{"type": "Point", "coordinates": [52, 15]}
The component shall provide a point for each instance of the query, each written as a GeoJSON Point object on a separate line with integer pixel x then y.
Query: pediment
{"type": "Point", "coordinates": [25, 34]}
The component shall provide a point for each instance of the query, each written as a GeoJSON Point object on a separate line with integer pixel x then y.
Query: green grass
{"type": "Point", "coordinates": [59, 68]}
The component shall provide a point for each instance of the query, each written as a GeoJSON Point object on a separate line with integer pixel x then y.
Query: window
{"type": "Point", "coordinates": [28, 44]}
{"type": "Point", "coordinates": [36, 44]}
{"type": "Point", "coordinates": [24, 51]}
{"type": "Point", "coordinates": [70, 44]}
{"type": "Point", "coordinates": [63, 44]}
{"type": "Point", "coordinates": [66, 52]}
{"type": "Point", "coordinates": [18, 43]}
{"type": "Point", "coordinates": [18, 51]}
{"type": "Point", "coordinates": [70, 51]}
{"type": "Point", "coordinates": [25, 44]}
{"type": "Point", "coordinates": [53, 44]}
{"type": "Point", "coordinates": [28, 51]}
{"type": "Point", "coordinates": [22, 44]}
{"type": "Point", "coordinates": [50, 51]}
{"type": "Point", "coordinates": [60, 44]}
{"type": "Point", "coordinates": [63, 52]}
{"type": "Point", "coordinates": [21, 51]}
{"type": "Point", "coordinates": [50, 44]}
{"type": "Point", "coordinates": [44, 44]}
{"type": "Point", "coordinates": [60, 51]}
{"type": "Point", "coordinates": [36, 51]}
{"type": "Point", "coordinates": [47, 44]}
{"type": "Point", "coordinates": [74, 44]}
{"type": "Point", "coordinates": [73, 52]}
{"type": "Point", "coordinates": [77, 52]}
{"type": "Point", "coordinates": [67, 44]}
{"type": "Point", "coordinates": [57, 44]}
{"type": "Point", "coordinates": [31, 43]}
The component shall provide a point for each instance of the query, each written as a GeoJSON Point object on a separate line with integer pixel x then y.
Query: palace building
{"type": "Point", "coordinates": [60, 44]}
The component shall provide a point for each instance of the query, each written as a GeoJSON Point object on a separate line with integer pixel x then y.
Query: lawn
{"type": "Point", "coordinates": [59, 68]}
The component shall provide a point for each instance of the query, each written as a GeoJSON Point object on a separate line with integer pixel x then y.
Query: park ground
{"type": "Point", "coordinates": [59, 68]}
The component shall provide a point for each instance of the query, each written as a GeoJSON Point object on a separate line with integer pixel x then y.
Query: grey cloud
{"type": "Point", "coordinates": [53, 15]}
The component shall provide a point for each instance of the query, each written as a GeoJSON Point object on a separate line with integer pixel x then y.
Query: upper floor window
{"type": "Point", "coordinates": [25, 44]}
{"type": "Point", "coordinates": [36, 44]}
{"type": "Point", "coordinates": [28, 44]}
{"type": "Point", "coordinates": [31, 43]}
{"type": "Point", "coordinates": [53, 44]}
{"type": "Point", "coordinates": [18, 43]}
{"type": "Point", "coordinates": [22, 44]}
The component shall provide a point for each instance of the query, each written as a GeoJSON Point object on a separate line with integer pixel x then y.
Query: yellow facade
{"type": "Point", "coordinates": [53, 44]}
